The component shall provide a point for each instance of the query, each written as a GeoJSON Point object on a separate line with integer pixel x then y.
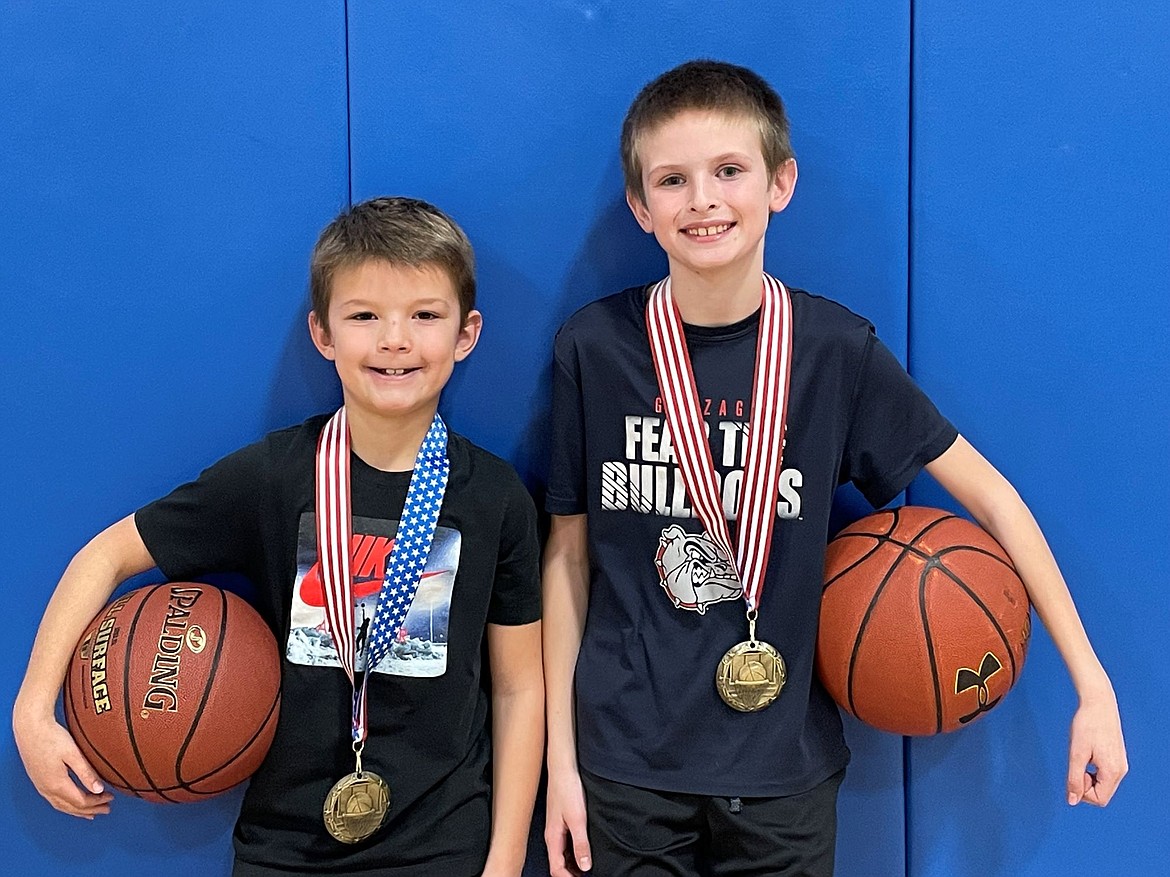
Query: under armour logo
{"type": "Point", "coordinates": [966, 679]}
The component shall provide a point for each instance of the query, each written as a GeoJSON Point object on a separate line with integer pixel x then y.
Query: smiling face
{"type": "Point", "coordinates": [395, 333]}
{"type": "Point", "coordinates": [709, 193]}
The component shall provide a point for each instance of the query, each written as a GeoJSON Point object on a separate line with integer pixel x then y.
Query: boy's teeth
{"type": "Point", "coordinates": [704, 232]}
{"type": "Point", "coordinates": [392, 371]}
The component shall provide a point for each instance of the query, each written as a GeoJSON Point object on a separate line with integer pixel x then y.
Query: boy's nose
{"type": "Point", "coordinates": [702, 196]}
{"type": "Point", "coordinates": [393, 336]}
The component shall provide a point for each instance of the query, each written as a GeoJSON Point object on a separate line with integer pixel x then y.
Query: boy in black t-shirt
{"type": "Point", "coordinates": [393, 295]}
{"type": "Point", "coordinates": [719, 395]}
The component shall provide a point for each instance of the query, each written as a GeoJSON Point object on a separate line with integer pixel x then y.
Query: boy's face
{"type": "Point", "coordinates": [395, 334]}
{"type": "Point", "coordinates": [708, 192]}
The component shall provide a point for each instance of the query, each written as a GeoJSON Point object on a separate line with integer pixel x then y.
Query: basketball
{"type": "Point", "coordinates": [173, 692]}
{"type": "Point", "coordinates": [924, 622]}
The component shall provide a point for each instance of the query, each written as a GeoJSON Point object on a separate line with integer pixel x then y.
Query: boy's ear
{"type": "Point", "coordinates": [322, 340]}
{"type": "Point", "coordinates": [783, 185]}
{"type": "Point", "coordinates": [468, 335]}
{"type": "Point", "coordinates": [640, 211]}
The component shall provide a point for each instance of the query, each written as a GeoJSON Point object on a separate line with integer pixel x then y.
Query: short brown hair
{"type": "Point", "coordinates": [401, 231]}
{"type": "Point", "coordinates": [705, 85]}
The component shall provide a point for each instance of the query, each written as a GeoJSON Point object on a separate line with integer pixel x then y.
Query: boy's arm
{"type": "Point", "coordinates": [517, 741]}
{"type": "Point", "coordinates": [1095, 736]}
{"type": "Point", "coordinates": [566, 598]}
{"type": "Point", "coordinates": [47, 750]}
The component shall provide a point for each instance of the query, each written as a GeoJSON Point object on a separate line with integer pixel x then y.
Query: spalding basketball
{"type": "Point", "coordinates": [924, 622]}
{"type": "Point", "coordinates": [174, 691]}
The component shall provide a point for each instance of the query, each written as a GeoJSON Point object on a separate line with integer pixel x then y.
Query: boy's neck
{"type": "Point", "coordinates": [720, 297]}
{"type": "Point", "coordinates": [388, 444]}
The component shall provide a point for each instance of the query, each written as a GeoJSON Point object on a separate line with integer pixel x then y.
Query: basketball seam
{"type": "Point", "coordinates": [132, 629]}
{"type": "Point", "coordinates": [77, 730]}
{"type": "Point", "coordinates": [188, 785]}
{"type": "Point", "coordinates": [925, 619]}
{"type": "Point", "coordinates": [194, 724]}
{"type": "Point", "coordinates": [991, 554]}
{"type": "Point", "coordinates": [906, 549]}
{"type": "Point", "coordinates": [956, 580]}
{"type": "Point", "coordinates": [883, 538]}
{"type": "Point", "coordinates": [909, 546]}
{"type": "Point", "coordinates": [868, 554]}
{"type": "Point", "coordinates": [878, 536]}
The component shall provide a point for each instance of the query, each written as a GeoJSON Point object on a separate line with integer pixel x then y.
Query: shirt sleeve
{"type": "Point", "coordinates": [566, 477]}
{"type": "Point", "coordinates": [894, 430]}
{"type": "Point", "coordinates": [210, 524]}
{"type": "Point", "coordinates": [516, 590]}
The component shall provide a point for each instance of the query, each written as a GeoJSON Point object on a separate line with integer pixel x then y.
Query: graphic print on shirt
{"type": "Point", "coordinates": [420, 644]}
{"type": "Point", "coordinates": [693, 571]}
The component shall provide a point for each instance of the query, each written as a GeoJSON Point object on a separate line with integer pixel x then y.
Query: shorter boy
{"type": "Point", "coordinates": [382, 653]}
{"type": "Point", "coordinates": [718, 395]}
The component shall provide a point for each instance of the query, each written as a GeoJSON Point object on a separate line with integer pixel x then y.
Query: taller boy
{"type": "Point", "coordinates": [716, 396]}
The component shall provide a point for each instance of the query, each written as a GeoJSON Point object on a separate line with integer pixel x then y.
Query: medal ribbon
{"type": "Point", "coordinates": [404, 567]}
{"type": "Point", "coordinates": [769, 416]}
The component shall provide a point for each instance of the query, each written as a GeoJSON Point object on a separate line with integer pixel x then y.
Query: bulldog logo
{"type": "Point", "coordinates": [694, 571]}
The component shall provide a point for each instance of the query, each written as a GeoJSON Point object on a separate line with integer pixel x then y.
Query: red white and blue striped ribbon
{"type": "Point", "coordinates": [404, 566]}
{"type": "Point", "coordinates": [756, 515]}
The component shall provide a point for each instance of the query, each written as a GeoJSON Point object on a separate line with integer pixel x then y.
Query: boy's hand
{"type": "Point", "coordinates": [49, 754]}
{"type": "Point", "coordinates": [1095, 739]}
{"type": "Point", "coordinates": [564, 827]}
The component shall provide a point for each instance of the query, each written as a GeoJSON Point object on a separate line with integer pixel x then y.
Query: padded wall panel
{"type": "Point", "coordinates": [1040, 296]}
{"type": "Point", "coordinates": [508, 117]}
{"type": "Point", "coordinates": [165, 172]}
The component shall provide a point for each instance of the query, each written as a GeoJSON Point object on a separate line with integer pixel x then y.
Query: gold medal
{"type": "Point", "coordinates": [751, 673]}
{"type": "Point", "coordinates": [356, 806]}
{"type": "Point", "coordinates": [750, 676]}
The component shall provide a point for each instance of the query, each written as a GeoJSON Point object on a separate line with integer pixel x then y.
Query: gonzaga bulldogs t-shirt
{"type": "Point", "coordinates": [665, 603]}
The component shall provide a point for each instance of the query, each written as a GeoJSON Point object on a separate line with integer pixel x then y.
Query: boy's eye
{"type": "Point", "coordinates": [363, 315]}
{"type": "Point", "coordinates": [729, 171]}
{"type": "Point", "coordinates": [427, 315]}
{"type": "Point", "coordinates": [672, 180]}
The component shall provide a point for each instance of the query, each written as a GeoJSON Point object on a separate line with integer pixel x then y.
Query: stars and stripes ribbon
{"type": "Point", "coordinates": [404, 566]}
{"type": "Point", "coordinates": [769, 415]}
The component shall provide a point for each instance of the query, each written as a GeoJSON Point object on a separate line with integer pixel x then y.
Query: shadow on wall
{"type": "Point", "coordinates": [152, 831]}
{"type": "Point", "coordinates": [615, 254]}
{"type": "Point", "coordinates": [305, 383]}
{"type": "Point", "coordinates": [963, 785]}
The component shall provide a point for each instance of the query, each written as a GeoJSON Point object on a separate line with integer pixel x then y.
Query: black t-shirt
{"type": "Point", "coordinates": [663, 607]}
{"type": "Point", "coordinates": [252, 513]}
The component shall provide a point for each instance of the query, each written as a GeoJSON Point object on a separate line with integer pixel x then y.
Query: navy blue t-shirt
{"type": "Point", "coordinates": [663, 608]}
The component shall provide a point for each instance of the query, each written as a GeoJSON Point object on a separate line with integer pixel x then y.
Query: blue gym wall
{"type": "Point", "coordinates": [1040, 321]}
{"type": "Point", "coordinates": [987, 187]}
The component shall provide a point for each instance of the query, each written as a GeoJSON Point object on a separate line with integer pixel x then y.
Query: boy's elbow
{"type": "Point", "coordinates": [118, 551]}
{"type": "Point", "coordinates": [981, 488]}
{"type": "Point", "coordinates": [566, 551]}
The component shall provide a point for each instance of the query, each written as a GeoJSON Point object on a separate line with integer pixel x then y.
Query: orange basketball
{"type": "Point", "coordinates": [924, 622]}
{"type": "Point", "coordinates": [174, 691]}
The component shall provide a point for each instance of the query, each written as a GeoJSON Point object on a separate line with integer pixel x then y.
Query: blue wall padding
{"type": "Point", "coordinates": [164, 174]}
{"type": "Point", "coordinates": [1040, 313]}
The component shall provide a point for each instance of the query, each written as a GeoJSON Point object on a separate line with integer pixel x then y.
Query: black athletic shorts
{"type": "Point", "coordinates": [646, 833]}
